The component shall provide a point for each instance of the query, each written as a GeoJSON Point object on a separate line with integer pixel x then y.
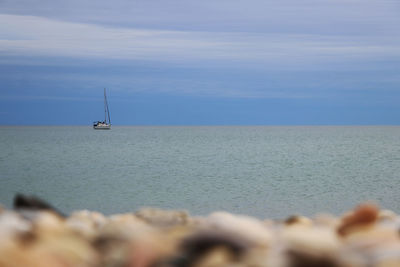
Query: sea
{"type": "Point", "coordinates": [262, 171]}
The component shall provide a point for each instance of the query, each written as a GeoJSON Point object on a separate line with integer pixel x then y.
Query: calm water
{"type": "Point", "coordinates": [260, 171]}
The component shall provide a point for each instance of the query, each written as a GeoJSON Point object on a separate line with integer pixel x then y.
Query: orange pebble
{"type": "Point", "coordinates": [362, 215]}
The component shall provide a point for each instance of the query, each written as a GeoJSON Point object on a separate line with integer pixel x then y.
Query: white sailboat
{"type": "Point", "coordinates": [106, 124]}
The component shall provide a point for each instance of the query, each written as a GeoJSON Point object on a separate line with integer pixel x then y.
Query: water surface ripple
{"type": "Point", "coordinates": [260, 171]}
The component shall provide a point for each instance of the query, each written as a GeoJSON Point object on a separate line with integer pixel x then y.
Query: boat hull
{"type": "Point", "coordinates": [102, 127]}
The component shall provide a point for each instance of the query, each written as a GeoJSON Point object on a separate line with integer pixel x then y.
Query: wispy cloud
{"type": "Point", "coordinates": [348, 17]}
{"type": "Point", "coordinates": [37, 36]}
{"type": "Point", "coordinates": [46, 97]}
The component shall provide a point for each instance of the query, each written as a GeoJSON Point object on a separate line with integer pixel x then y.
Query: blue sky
{"type": "Point", "coordinates": [175, 62]}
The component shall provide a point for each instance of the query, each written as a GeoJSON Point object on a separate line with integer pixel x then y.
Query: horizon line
{"type": "Point", "coordinates": [194, 125]}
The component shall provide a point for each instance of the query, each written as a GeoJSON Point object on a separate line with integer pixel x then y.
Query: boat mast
{"type": "Point", "coordinates": [106, 108]}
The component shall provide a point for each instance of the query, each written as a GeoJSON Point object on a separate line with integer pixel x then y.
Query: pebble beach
{"type": "Point", "coordinates": [33, 233]}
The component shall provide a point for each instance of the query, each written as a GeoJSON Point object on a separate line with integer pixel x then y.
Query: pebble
{"type": "Point", "coordinates": [40, 236]}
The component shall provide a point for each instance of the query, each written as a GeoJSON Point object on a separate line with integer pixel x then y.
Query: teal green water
{"type": "Point", "coordinates": [260, 171]}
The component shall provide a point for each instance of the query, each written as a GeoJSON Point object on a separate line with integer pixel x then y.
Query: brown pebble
{"type": "Point", "coordinates": [298, 220]}
{"type": "Point", "coordinates": [292, 219]}
{"type": "Point", "coordinates": [297, 259]}
{"type": "Point", "coordinates": [363, 215]}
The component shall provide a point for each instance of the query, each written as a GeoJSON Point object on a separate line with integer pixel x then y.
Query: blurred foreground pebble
{"type": "Point", "coordinates": [36, 234]}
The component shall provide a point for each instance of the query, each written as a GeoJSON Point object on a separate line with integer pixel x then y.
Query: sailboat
{"type": "Point", "coordinates": [106, 124]}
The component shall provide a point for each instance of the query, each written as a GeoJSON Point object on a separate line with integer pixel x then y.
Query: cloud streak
{"type": "Point", "coordinates": [37, 36]}
{"type": "Point", "coordinates": [333, 16]}
{"type": "Point", "coordinates": [47, 98]}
